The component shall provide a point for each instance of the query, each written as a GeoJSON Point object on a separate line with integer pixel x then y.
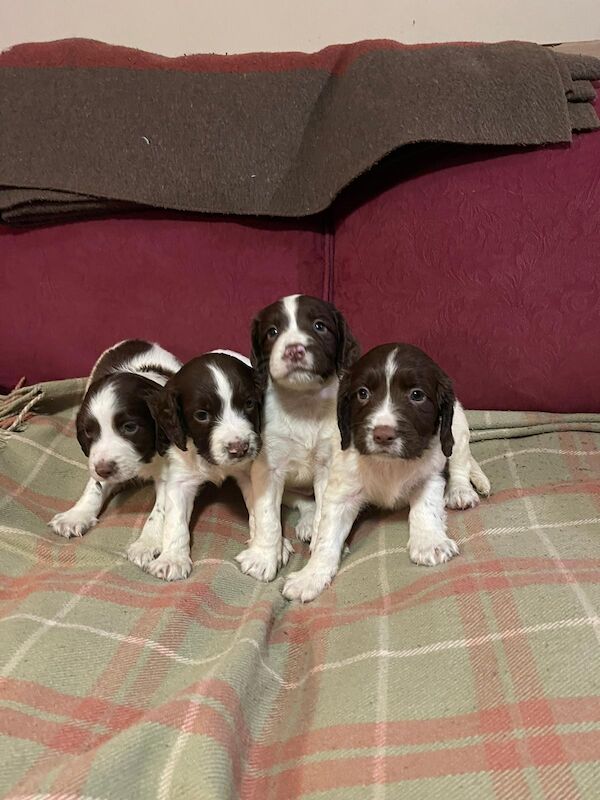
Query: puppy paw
{"type": "Point", "coordinates": [461, 496]}
{"type": "Point", "coordinates": [72, 523]}
{"type": "Point", "coordinates": [143, 553]}
{"type": "Point", "coordinates": [306, 584]}
{"type": "Point", "coordinates": [263, 563]}
{"type": "Point", "coordinates": [170, 566]}
{"type": "Point", "coordinates": [430, 550]}
{"type": "Point", "coordinates": [304, 526]}
{"type": "Point", "coordinates": [481, 481]}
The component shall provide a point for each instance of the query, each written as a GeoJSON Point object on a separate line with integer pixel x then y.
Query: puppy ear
{"type": "Point", "coordinates": [343, 412]}
{"type": "Point", "coordinates": [82, 438]}
{"type": "Point", "coordinates": [258, 359]}
{"type": "Point", "coordinates": [165, 407]}
{"type": "Point", "coordinates": [348, 349]}
{"type": "Point", "coordinates": [446, 399]}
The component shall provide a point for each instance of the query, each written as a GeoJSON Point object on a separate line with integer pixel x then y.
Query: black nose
{"type": "Point", "coordinates": [105, 468]}
{"type": "Point", "coordinates": [238, 449]}
{"type": "Point", "coordinates": [384, 434]}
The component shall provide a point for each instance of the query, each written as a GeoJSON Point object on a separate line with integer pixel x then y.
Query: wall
{"type": "Point", "coordinates": [192, 26]}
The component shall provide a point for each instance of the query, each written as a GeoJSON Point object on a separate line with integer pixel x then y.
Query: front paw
{"type": "Point", "coordinates": [143, 553]}
{"type": "Point", "coordinates": [431, 549]}
{"type": "Point", "coordinates": [461, 496]}
{"type": "Point", "coordinates": [304, 526]}
{"type": "Point", "coordinates": [263, 563]}
{"type": "Point", "coordinates": [72, 523]}
{"type": "Point", "coordinates": [171, 566]}
{"type": "Point", "coordinates": [306, 584]}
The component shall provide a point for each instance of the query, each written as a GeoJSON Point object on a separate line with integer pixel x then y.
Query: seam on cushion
{"type": "Point", "coordinates": [328, 257]}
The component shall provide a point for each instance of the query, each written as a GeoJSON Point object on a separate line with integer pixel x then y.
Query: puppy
{"type": "Point", "coordinates": [395, 413]}
{"type": "Point", "coordinates": [117, 433]}
{"type": "Point", "coordinates": [300, 347]}
{"type": "Point", "coordinates": [209, 413]}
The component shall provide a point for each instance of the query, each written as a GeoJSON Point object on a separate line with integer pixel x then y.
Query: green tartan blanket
{"type": "Point", "coordinates": [476, 679]}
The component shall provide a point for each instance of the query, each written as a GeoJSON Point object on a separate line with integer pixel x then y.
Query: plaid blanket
{"type": "Point", "coordinates": [89, 128]}
{"type": "Point", "coordinates": [475, 679]}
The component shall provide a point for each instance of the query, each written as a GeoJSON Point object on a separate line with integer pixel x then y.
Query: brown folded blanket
{"type": "Point", "coordinates": [89, 128]}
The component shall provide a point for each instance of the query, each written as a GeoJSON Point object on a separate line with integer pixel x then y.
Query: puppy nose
{"type": "Point", "coordinates": [238, 449]}
{"type": "Point", "coordinates": [105, 468]}
{"type": "Point", "coordinates": [384, 434]}
{"type": "Point", "coordinates": [294, 352]}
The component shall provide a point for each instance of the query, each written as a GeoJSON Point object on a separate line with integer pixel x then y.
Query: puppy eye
{"type": "Point", "coordinates": [319, 326]}
{"type": "Point", "coordinates": [272, 333]}
{"type": "Point", "coordinates": [249, 405]}
{"type": "Point", "coordinates": [201, 416]}
{"type": "Point", "coordinates": [417, 395]}
{"type": "Point", "coordinates": [129, 428]}
{"type": "Point", "coordinates": [88, 432]}
{"type": "Point", "coordinates": [363, 394]}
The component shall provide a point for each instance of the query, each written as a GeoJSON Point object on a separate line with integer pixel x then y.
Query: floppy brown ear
{"type": "Point", "coordinates": [446, 399]}
{"type": "Point", "coordinates": [258, 359]}
{"type": "Point", "coordinates": [343, 412]}
{"type": "Point", "coordinates": [348, 349]}
{"type": "Point", "coordinates": [165, 407]}
{"type": "Point", "coordinates": [82, 438]}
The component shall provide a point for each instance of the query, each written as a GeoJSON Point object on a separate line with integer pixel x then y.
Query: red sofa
{"type": "Point", "coordinates": [487, 259]}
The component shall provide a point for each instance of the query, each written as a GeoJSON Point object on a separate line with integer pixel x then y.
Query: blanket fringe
{"type": "Point", "coordinates": [16, 407]}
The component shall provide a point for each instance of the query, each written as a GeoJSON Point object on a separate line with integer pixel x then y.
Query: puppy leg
{"type": "Point", "coordinates": [427, 542]}
{"type": "Point", "coordinates": [337, 517]}
{"type": "Point", "coordinates": [462, 467]}
{"type": "Point", "coordinates": [84, 514]}
{"type": "Point", "coordinates": [320, 484]}
{"type": "Point", "coordinates": [268, 549]}
{"type": "Point", "coordinates": [149, 543]}
{"type": "Point", "coordinates": [306, 506]}
{"type": "Point", "coordinates": [245, 484]}
{"type": "Point", "coordinates": [174, 561]}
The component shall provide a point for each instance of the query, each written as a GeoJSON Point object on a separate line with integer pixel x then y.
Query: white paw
{"type": "Point", "coordinates": [72, 523]}
{"type": "Point", "coordinates": [306, 584]}
{"type": "Point", "coordinates": [481, 482]}
{"type": "Point", "coordinates": [430, 550]}
{"type": "Point", "coordinates": [171, 567]}
{"type": "Point", "coordinates": [263, 563]}
{"type": "Point", "coordinates": [143, 553]}
{"type": "Point", "coordinates": [461, 496]}
{"type": "Point", "coordinates": [304, 526]}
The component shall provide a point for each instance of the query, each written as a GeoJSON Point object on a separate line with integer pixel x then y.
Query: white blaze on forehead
{"type": "Point", "coordinates": [291, 334]}
{"type": "Point", "coordinates": [231, 424]}
{"type": "Point", "coordinates": [290, 306]}
{"type": "Point", "coordinates": [386, 414]}
{"type": "Point", "coordinates": [110, 445]}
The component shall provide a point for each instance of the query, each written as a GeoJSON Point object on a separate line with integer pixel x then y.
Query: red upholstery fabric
{"type": "Point", "coordinates": [491, 265]}
{"type": "Point", "coordinates": [69, 291]}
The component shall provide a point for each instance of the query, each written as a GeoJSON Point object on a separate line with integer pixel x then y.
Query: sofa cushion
{"type": "Point", "coordinates": [490, 263]}
{"type": "Point", "coordinates": [70, 291]}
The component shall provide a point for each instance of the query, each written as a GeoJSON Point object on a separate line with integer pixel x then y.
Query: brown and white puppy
{"type": "Point", "coordinates": [209, 413]}
{"type": "Point", "coordinates": [396, 410]}
{"type": "Point", "coordinates": [300, 347]}
{"type": "Point", "coordinates": [117, 431]}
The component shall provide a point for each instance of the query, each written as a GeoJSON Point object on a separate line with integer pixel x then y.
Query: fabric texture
{"type": "Point", "coordinates": [86, 124]}
{"type": "Point", "coordinates": [68, 292]}
{"type": "Point", "coordinates": [478, 678]}
{"type": "Point", "coordinates": [489, 263]}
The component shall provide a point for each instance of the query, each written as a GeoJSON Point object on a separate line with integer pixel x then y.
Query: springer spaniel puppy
{"type": "Point", "coordinates": [209, 413]}
{"type": "Point", "coordinates": [117, 433]}
{"type": "Point", "coordinates": [398, 418]}
{"type": "Point", "coordinates": [300, 347]}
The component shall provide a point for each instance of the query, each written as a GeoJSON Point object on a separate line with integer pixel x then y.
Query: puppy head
{"type": "Point", "coordinates": [300, 342]}
{"type": "Point", "coordinates": [214, 401]}
{"type": "Point", "coordinates": [115, 427]}
{"type": "Point", "coordinates": [394, 401]}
